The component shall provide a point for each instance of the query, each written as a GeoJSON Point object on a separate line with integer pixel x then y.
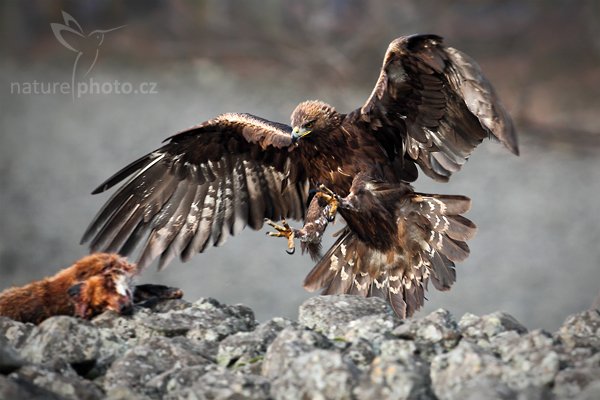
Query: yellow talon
{"type": "Point", "coordinates": [283, 230]}
{"type": "Point", "coordinates": [332, 199]}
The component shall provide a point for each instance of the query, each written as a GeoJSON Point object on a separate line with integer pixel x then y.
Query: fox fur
{"type": "Point", "coordinates": [94, 284]}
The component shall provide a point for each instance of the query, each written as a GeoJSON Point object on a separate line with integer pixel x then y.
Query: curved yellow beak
{"type": "Point", "coordinates": [297, 133]}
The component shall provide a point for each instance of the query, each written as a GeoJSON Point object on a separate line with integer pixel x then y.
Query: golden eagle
{"type": "Point", "coordinates": [431, 107]}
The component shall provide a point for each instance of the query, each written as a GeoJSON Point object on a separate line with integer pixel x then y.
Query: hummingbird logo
{"type": "Point", "coordinates": [86, 46]}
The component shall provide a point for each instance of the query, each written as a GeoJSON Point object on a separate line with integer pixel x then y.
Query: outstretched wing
{"type": "Point", "coordinates": [433, 104]}
{"type": "Point", "coordinates": [204, 184]}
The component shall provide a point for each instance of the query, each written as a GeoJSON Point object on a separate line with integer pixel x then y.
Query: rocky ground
{"type": "Point", "coordinates": [342, 347]}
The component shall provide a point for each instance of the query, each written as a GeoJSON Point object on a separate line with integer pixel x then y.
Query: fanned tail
{"type": "Point", "coordinates": [432, 236]}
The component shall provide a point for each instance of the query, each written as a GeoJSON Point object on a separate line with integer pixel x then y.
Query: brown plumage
{"type": "Point", "coordinates": [431, 107]}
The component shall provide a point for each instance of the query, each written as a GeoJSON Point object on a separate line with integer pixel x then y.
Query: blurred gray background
{"type": "Point", "coordinates": [537, 253]}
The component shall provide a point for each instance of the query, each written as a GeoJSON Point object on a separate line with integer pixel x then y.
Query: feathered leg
{"type": "Point", "coordinates": [317, 218]}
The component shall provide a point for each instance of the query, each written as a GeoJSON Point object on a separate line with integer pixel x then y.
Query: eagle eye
{"type": "Point", "coordinates": [309, 124]}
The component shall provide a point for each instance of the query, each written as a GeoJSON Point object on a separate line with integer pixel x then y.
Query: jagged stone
{"type": "Point", "coordinates": [63, 381]}
{"type": "Point", "coordinates": [290, 344]}
{"type": "Point", "coordinates": [373, 328]}
{"type": "Point", "coordinates": [485, 327]}
{"type": "Point", "coordinates": [360, 352]}
{"type": "Point", "coordinates": [451, 372]}
{"type": "Point", "coordinates": [434, 334]}
{"type": "Point", "coordinates": [581, 330]}
{"type": "Point", "coordinates": [178, 379]}
{"type": "Point", "coordinates": [333, 315]}
{"type": "Point", "coordinates": [530, 361]}
{"type": "Point", "coordinates": [344, 347]}
{"type": "Point", "coordinates": [387, 379]}
{"type": "Point", "coordinates": [247, 349]}
{"type": "Point", "coordinates": [399, 350]}
{"type": "Point", "coordinates": [140, 364]}
{"type": "Point", "coordinates": [11, 388]}
{"type": "Point", "coordinates": [15, 332]}
{"type": "Point", "coordinates": [74, 341]}
{"type": "Point", "coordinates": [316, 374]}
{"type": "Point", "coordinates": [225, 385]}
{"type": "Point", "coordinates": [10, 360]}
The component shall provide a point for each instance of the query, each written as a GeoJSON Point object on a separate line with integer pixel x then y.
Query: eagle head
{"type": "Point", "coordinates": [313, 116]}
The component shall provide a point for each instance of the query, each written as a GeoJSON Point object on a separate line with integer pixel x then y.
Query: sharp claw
{"type": "Point", "coordinates": [283, 230]}
{"type": "Point", "coordinates": [330, 192]}
{"type": "Point", "coordinates": [333, 201]}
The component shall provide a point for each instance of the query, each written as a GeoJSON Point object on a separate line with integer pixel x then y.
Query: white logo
{"type": "Point", "coordinates": [87, 48]}
{"type": "Point", "coordinates": [71, 35]}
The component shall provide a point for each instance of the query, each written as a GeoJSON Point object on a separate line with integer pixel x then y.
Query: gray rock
{"type": "Point", "coordinates": [452, 371]}
{"type": "Point", "coordinates": [373, 328]}
{"type": "Point", "coordinates": [318, 374]}
{"type": "Point", "coordinates": [483, 328]}
{"type": "Point", "coordinates": [72, 340]}
{"type": "Point", "coordinates": [125, 393]}
{"type": "Point", "coordinates": [178, 379]}
{"type": "Point", "coordinates": [169, 305]}
{"type": "Point", "coordinates": [591, 392]}
{"type": "Point", "coordinates": [140, 364]}
{"type": "Point", "coordinates": [581, 330]}
{"type": "Point", "coordinates": [122, 326]}
{"type": "Point", "coordinates": [247, 349]}
{"type": "Point", "coordinates": [480, 388]}
{"type": "Point", "coordinates": [499, 342]}
{"type": "Point", "coordinates": [400, 350]}
{"type": "Point", "coordinates": [346, 347]}
{"type": "Point", "coordinates": [433, 334]}
{"type": "Point", "coordinates": [290, 344]}
{"type": "Point", "coordinates": [10, 360]}
{"type": "Point", "coordinates": [11, 388]}
{"type": "Point", "coordinates": [570, 382]}
{"type": "Point", "coordinates": [15, 332]}
{"type": "Point", "coordinates": [361, 353]}
{"type": "Point", "coordinates": [219, 321]}
{"type": "Point", "coordinates": [387, 379]}
{"type": "Point", "coordinates": [63, 338]}
{"type": "Point", "coordinates": [578, 357]}
{"type": "Point", "coordinates": [332, 315]}
{"type": "Point", "coordinates": [531, 361]}
{"type": "Point", "coordinates": [224, 385]}
{"type": "Point", "coordinates": [63, 381]}
{"type": "Point", "coordinates": [206, 319]}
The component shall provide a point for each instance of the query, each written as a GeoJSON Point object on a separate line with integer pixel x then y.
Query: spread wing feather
{"type": "Point", "coordinates": [433, 104]}
{"type": "Point", "coordinates": [205, 184]}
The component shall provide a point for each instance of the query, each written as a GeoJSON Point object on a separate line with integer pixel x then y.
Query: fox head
{"type": "Point", "coordinates": [110, 290]}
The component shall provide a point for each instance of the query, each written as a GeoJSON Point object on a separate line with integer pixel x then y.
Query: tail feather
{"type": "Point", "coordinates": [443, 273]}
{"type": "Point", "coordinates": [433, 238]}
{"type": "Point", "coordinates": [322, 275]}
{"type": "Point", "coordinates": [460, 228]}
